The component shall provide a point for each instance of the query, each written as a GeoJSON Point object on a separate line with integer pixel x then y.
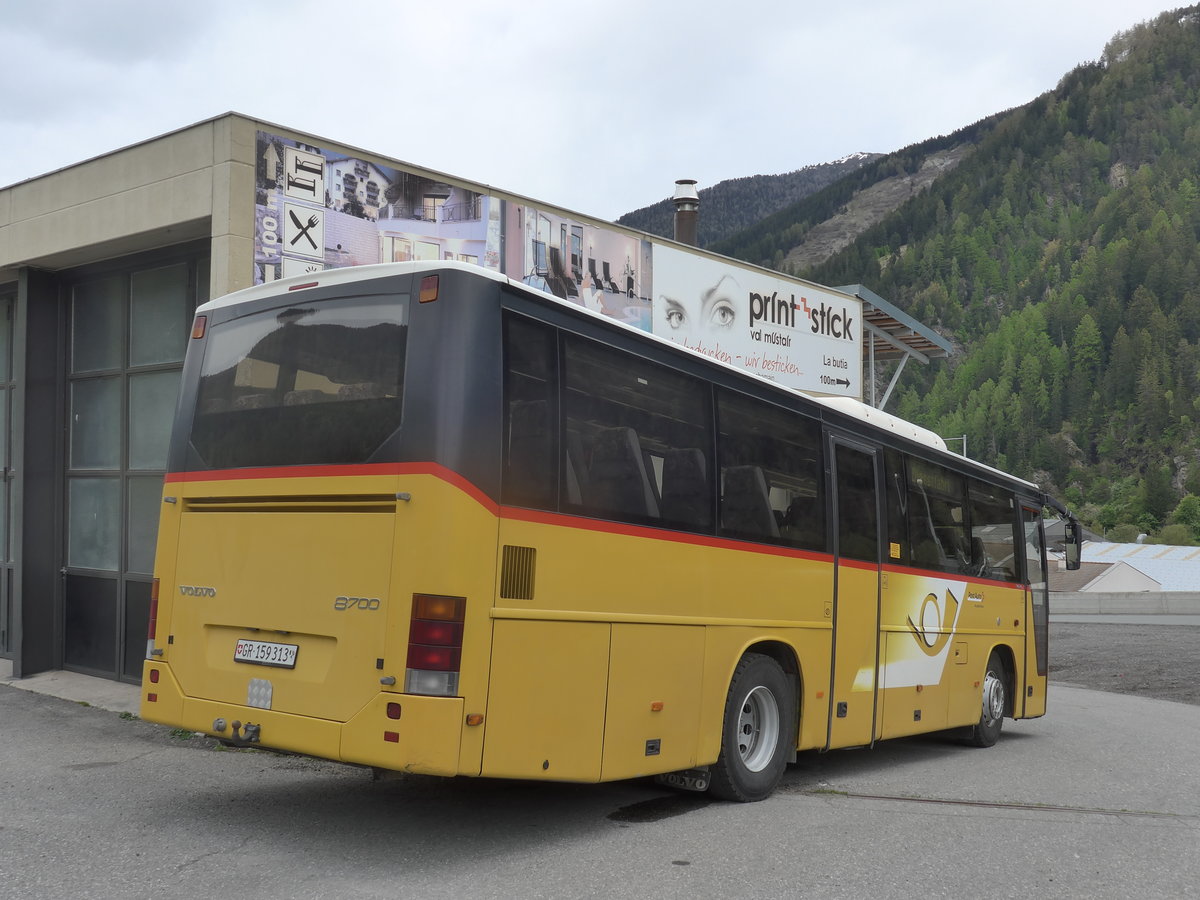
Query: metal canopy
{"type": "Point", "coordinates": [892, 334]}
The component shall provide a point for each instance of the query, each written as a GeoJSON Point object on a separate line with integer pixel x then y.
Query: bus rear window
{"type": "Point", "coordinates": [316, 384]}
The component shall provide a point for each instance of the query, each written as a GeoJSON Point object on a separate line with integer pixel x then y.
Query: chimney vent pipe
{"type": "Point", "coordinates": [687, 211]}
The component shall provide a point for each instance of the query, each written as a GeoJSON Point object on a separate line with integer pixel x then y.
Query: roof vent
{"type": "Point", "coordinates": [687, 211]}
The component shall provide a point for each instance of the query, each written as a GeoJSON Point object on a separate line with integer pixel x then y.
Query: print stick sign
{"type": "Point", "coordinates": [800, 335]}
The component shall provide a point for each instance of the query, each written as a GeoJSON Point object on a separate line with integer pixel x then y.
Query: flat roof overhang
{"type": "Point", "coordinates": [890, 333]}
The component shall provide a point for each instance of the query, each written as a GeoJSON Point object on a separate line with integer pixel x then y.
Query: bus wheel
{"type": "Point", "coordinates": [759, 712]}
{"type": "Point", "coordinates": [995, 704]}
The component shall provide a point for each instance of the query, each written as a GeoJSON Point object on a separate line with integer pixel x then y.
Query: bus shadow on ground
{"type": "Point", "coordinates": [426, 819]}
{"type": "Point", "coordinates": [813, 771]}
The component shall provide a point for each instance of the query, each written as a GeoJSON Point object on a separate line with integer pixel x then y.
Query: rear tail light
{"type": "Point", "coordinates": [153, 626]}
{"type": "Point", "coordinates": [435, 638]}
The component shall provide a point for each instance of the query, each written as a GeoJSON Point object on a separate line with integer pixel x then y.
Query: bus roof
{"type": "Point", "coordinates": [348, 275]}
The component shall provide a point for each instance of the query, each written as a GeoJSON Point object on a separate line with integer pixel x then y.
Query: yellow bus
{"type": "Point", "coordinates": [421, 517]}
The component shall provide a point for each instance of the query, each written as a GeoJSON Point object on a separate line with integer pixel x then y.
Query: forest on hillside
{"type": "Point", "coordinates": [1063, 256]}
{"type": "Point", "coordinates": [730, 206]}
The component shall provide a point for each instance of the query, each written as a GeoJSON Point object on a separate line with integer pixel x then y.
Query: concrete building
{"type": "Point", "coordinates": [102, 265]}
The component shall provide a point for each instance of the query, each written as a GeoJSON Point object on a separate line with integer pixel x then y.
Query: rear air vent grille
{"type": "Point", "coordinates": [348, 503]}
{"type": "Point", "coordinates": [516, 573]}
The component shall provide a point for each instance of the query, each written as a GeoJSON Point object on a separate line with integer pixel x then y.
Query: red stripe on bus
{"type": "Point", "coordinates": [283, 472]}
{"type": "Point", "coordinates": [582, 523]}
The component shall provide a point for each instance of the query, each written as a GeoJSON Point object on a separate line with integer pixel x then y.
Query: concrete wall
{"type": "Point", "coordinates": [1128, 604]}
{"type": "Point", "coordinates": [194, 183]}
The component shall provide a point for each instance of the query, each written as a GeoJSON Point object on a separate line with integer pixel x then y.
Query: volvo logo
{"type": "Point", "coordinates": [191, 590]}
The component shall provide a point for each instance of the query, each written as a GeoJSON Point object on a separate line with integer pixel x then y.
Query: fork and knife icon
{"type": "Point", "coordinates": [304, 229]}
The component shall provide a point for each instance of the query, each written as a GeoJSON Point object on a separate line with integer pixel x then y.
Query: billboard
{"type": "Point", "coordinates": [605, 270]}
{"type": "Point", "coordinates": [319, 209]}
{"type": "Point", "coordinates": [316, 208]}
{"type": "Point", "coordinates": [796, 334]}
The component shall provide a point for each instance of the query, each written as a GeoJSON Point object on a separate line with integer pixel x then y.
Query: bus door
{"type": "Point", "coordinates": [1037, 613]}
{"type": "Point", "coordinates": [854, 678]}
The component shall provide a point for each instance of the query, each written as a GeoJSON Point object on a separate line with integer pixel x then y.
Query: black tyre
{"type": "Point", "coordinates": [995, 704]}
{"type": "Point", "coordinates": [758, 730]}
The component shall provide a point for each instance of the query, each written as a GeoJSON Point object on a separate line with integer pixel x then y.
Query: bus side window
{"type": "Point", "coordinates": [937, 518]}
{"type": "Point", "coordinates": [771, 473]}
{"type": "Point", "coordinates": [637, 439]}
{"type": "Point", "coordinates": [993, 533]}
{"type": "Point", "coordinates": [530, 415]}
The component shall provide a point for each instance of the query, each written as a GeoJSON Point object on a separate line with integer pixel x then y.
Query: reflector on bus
{"type": "Point", "coordinates": [429, 289]}
{"type": "Point", "coordinates": [153, 622]}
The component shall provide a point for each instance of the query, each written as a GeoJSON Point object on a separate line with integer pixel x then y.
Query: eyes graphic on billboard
{"type": "Point", "coordinates": [713, 309]}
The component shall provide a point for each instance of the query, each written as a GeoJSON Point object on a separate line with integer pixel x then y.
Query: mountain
{"type": "Point", "coordinates": [1059, 245]}
{"type": "Point", "coordinates": [809, 231]}
{"type": "Point", "coordinates": [730, 206]}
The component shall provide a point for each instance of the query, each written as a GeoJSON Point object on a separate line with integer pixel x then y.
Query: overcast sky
{"type": "Point", "coordinates": [593, 105]}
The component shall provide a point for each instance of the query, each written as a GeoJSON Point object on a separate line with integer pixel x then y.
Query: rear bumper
{"type": "Point", "coordinates": [425, 739]}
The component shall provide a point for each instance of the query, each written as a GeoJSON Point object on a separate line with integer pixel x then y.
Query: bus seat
{"type": "Point", "coordinates": [530, 474]}
{"type": "Point", "coordinates": [803, 523]}
{"type": "Point", "coordinates": [617, 479]}
{"type": "Point", "coordinates": [303, 398]}
{"type": "Point", "coordinates": [745, 506]}
{"type": "Point", "coordinates": [362, 390]}
{"type": "Point", "coordinates": [576, 467]}
{"type": "Point", "coordinates": [685, 494]}
{"type": "Point", "coordinates": [574, 493]}
{"type": "Point", "coordinates": [254, 401]}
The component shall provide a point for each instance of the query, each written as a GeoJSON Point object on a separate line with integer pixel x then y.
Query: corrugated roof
{"type": "Point", "coordinates": [1175, 568]}
{"type": "Point", "coordinates": [1098, 550]}
{"type": "Point", "coordinates": [1066, 580]}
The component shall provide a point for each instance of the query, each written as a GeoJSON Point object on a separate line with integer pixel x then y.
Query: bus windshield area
{"type": "Point", "coordinates": [314, 384]}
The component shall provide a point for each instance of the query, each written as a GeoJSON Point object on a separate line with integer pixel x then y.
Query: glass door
{"type": "Point", "coordinates": [127, 334]}
{"type": "Point", "coordinates": [856, 595]}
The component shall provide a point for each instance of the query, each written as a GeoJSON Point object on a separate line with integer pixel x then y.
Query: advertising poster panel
{"type": "Point", "coordinates": [796, 334]}
{"type": "Point", "coordinates": [318, 209]}
{"type": "Point", "coordinates": [604, 270]}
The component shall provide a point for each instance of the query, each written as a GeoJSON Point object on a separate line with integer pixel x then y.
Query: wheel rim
{"type": "Point", "coordinates": [758, 729]}
{"type": "Point", "coordinates": [993, 698]}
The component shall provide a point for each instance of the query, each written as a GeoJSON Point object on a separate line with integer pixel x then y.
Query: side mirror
{"type": "Point", "coordinates": [1072, 544]}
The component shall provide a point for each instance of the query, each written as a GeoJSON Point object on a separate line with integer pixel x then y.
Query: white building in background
{"type": "Point", "coordinates": [1133, 568]}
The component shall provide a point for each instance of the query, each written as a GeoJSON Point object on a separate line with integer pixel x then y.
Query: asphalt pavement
{"type": "Point", "coordinates": [1099, 799]}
